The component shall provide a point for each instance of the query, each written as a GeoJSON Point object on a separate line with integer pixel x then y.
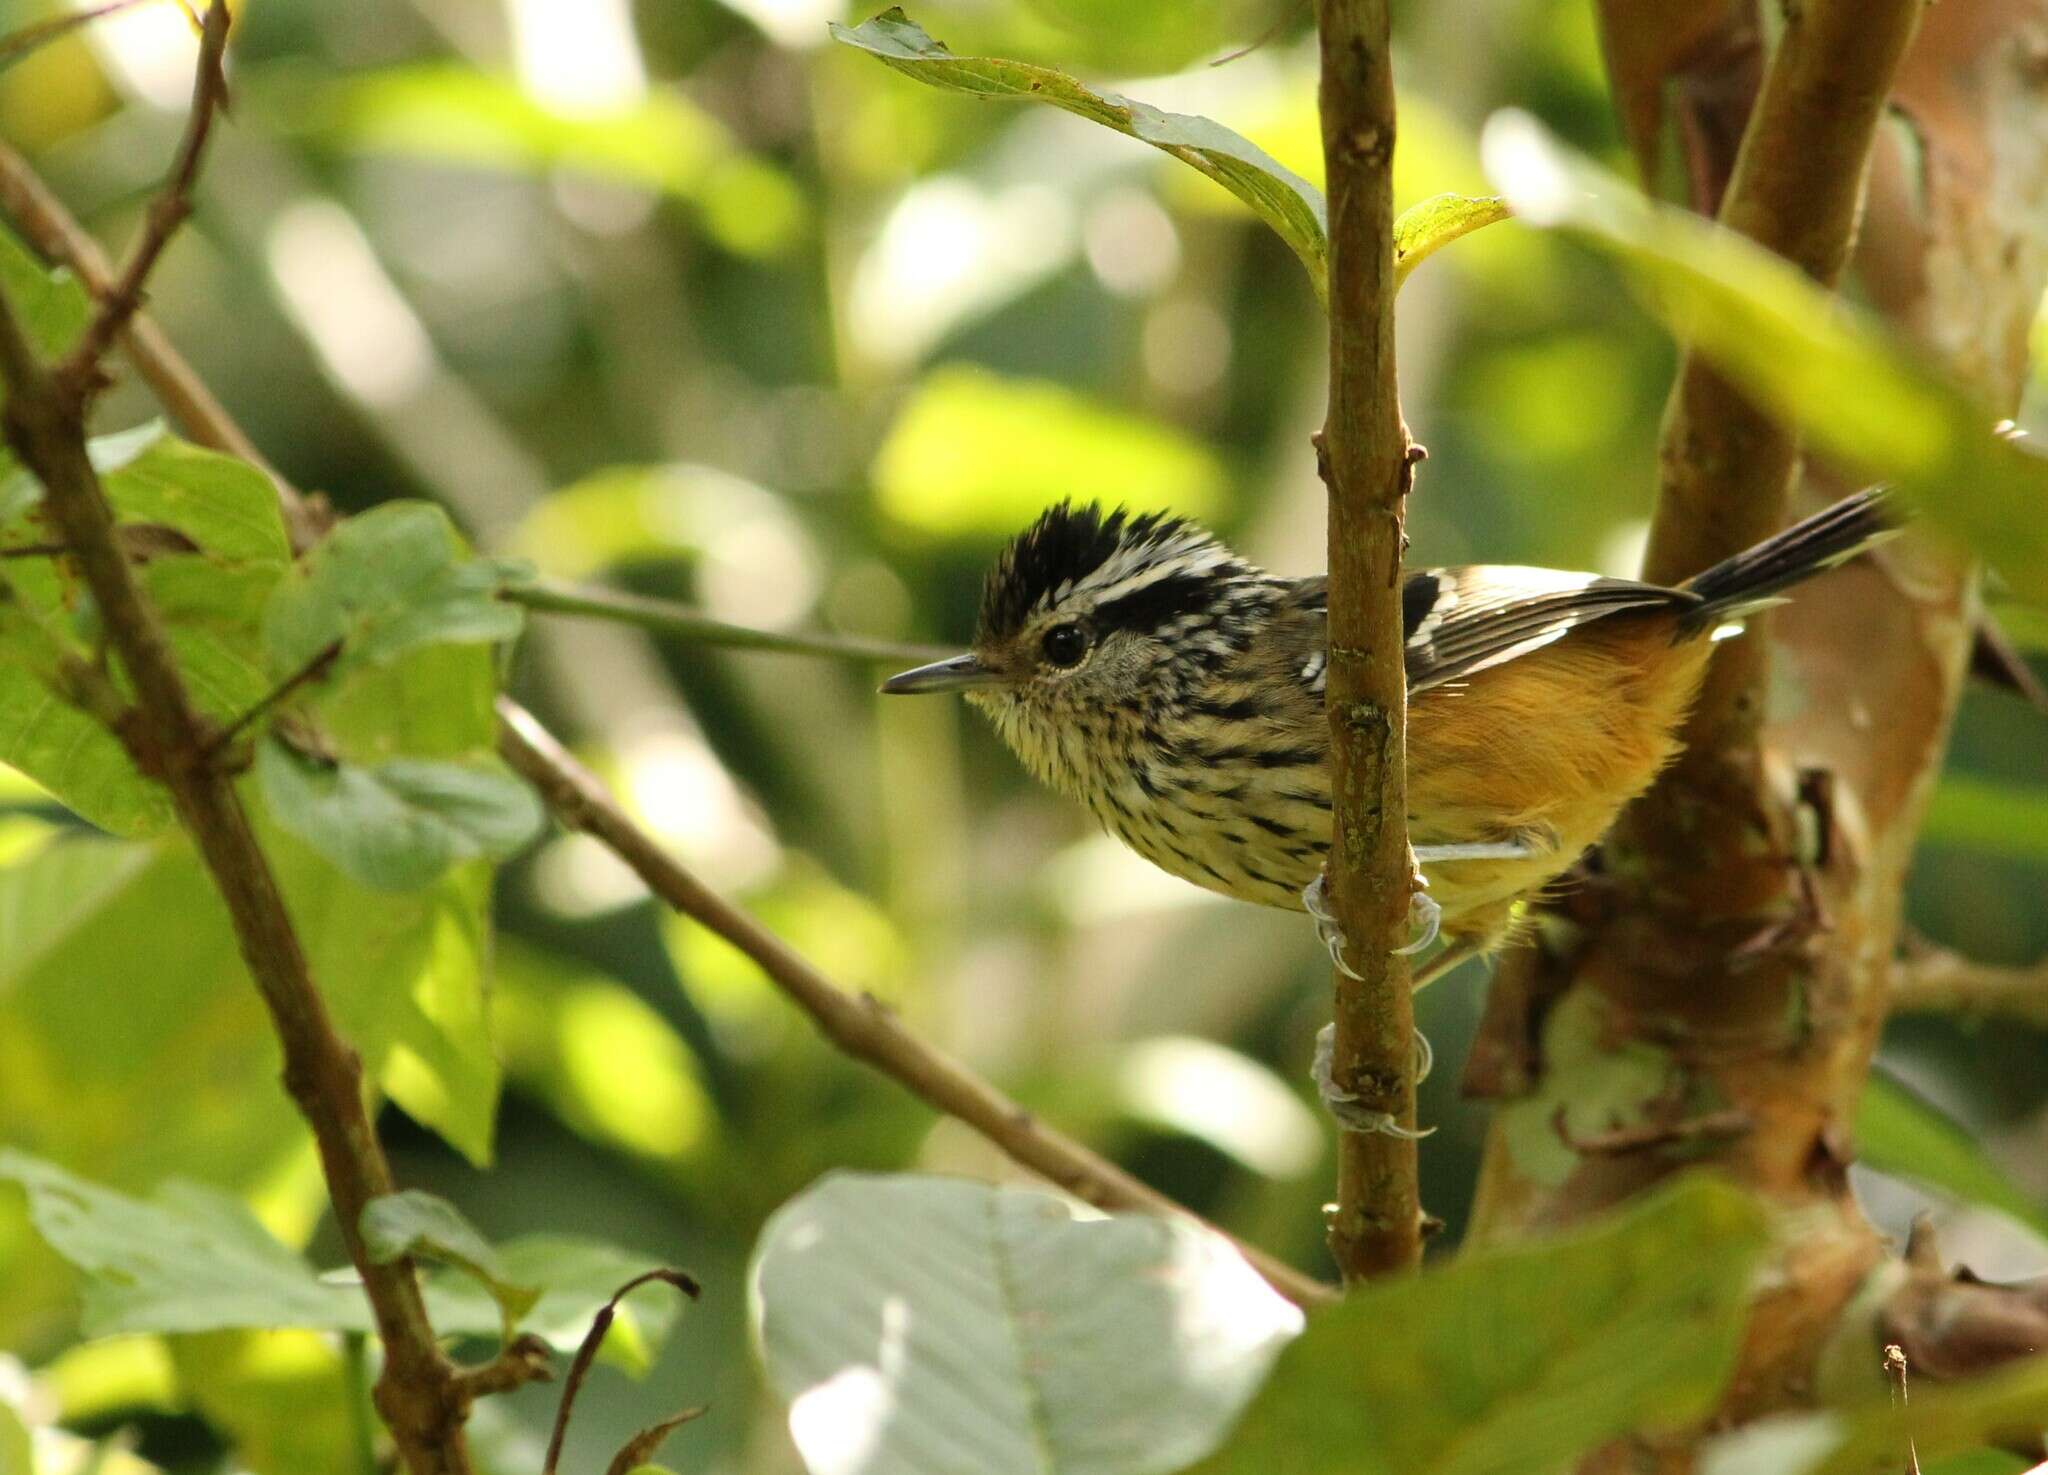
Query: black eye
{"type": "Point", "coordinates": [1064, 645]}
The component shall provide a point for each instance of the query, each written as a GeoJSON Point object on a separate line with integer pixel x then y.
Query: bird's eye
{"type": "Point", "coordinates": [1064, 645]}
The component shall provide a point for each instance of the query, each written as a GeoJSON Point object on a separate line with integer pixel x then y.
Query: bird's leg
{"type": "Point", "coordinates": [1423, 914]}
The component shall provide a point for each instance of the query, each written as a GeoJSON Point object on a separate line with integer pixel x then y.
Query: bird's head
{"type": "Point", "coordinates": [1085, 613]}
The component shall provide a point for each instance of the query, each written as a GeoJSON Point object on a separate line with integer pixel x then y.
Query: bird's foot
{"type": "Point", "coordinates": [1423, 914]}
{"type": "Point", "coordinates": [1343, 1105]}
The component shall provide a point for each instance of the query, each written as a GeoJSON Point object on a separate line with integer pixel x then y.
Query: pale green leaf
{"type": "Point", "coordinates": [1427, 226]}
{"type": "Point", "coordinates": [193, 1259]}
{"type": "Point", "coordinates": [384, 583]}
{"type": "Point", "coordinates": [1860, 394]}
{"type": "Point", "coordinates": [1517, 1361]}
{"type": "Point", "coordinates": [973, 452]}
{"type": "Point", "coordinates": [925, 1325]}
{"type": "Point", "coordinates": [1288, 203]}
{"type": "Point", "coordinates": [402, 823]}
{"type": "Point", "coordinates": [1898, 1132]}
{"type": "Point", "coordinates": [418, 1223]}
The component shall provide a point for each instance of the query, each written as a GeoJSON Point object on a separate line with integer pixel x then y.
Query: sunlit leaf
{"type": "Point", "coordinates": [17, 1456]}
{"type": "Point", "coordinates": [1861, 395]}
{"type": "Point", "coordinates": [1898, 1132]}
{"type": "Point", "coordinates": [1285, 201]}
{"type": "Point", "coordinates": [221, 547]}
{"type": "Point", "coordinates": [384, 583]}
{"type": "Point", "coordinates": [403, 822]}
{"type": "Point", "coordinates": [972, 452]}
{"type": "Point", "coordinates": [925, 1325]}
{"type": "Point", "coordinates": [1517, 1361]}
{"type": "Point", "coordinates": [1428, 226]}
{"type": "Point", "coordinates": [662, 141]}
{"type": "Point", "coordinates": [1984, 814]}
{"type": "Point", "coordinates": [420, 1224]}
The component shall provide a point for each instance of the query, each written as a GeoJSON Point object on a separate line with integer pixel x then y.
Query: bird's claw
{"type": "Point", "coordinates": [1326, 925]}
{"type": "Point", "coordinates": [1423, 913]}
{"type": "Point", "coordinates": [1343, 1104]}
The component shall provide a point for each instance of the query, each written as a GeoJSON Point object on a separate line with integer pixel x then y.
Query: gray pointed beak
{"type": "Point", "coordinates": [955, 673]}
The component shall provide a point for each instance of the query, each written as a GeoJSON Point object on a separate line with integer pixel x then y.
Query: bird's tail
{"type": "Point", "coordinates": [1753, 579]}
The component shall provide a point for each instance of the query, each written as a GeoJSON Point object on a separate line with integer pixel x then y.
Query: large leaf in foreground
{"type": "Point", "coordinates": [1860, 394]}
{"type": "Point", "coordinates": [1283, 199]}
{"type": "Point", "coordinates": [1516, 1362]}
{"type": "Point", "coordinates": [924, 1325]}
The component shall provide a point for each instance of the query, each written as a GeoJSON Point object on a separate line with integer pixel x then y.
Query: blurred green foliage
{"type": "Point", "coordinates": [685, 296]}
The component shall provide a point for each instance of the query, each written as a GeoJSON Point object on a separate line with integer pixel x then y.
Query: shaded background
{"type": "Point", "coordinates": [682, 296]}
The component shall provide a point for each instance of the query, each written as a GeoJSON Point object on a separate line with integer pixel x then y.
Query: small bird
{"type": "Point", "coordinates": [1140, 666]}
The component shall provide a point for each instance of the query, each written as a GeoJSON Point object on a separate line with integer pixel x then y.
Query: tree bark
{"type": "Point", "coordinates": [1748, 981]}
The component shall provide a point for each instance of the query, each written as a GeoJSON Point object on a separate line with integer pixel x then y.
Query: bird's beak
{"type": "Point", "coordinates": [955, 673]}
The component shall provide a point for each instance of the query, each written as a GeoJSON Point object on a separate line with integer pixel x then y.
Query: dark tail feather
{"type": "Point", "coordinates": [1753, 579]}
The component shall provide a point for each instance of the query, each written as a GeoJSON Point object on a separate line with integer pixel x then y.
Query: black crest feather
{"type": "Point", "coordinates": [1064, 546]}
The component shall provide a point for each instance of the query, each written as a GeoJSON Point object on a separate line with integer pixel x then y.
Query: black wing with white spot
{"type": "Point", "coordinates": [1457, 621]}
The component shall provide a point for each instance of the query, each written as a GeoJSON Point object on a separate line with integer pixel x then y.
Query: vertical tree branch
{"type": "Point", "coordinates": [1377, 1223]}
{"type": "Point", "coordinates": [1726, 469]}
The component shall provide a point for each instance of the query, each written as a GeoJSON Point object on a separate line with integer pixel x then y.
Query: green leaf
{"type": "Point", "coordinates": [1861, 395]}
{"type": "Point", "coordinates": [421, 1224]}
{"type": "Point", "coordinates": [1899, 1132]}
{"type": "Point", "coordinates": [1940, 1421]}
{"type": "Point", "coordinates": [403, 823]}
{"type": "Point", "coordinates": [389, 581]}
{"type": "Point", "coordinates": [662, 142]}
{"type": "Point", "coordinates": [223, 514]}
{"type": "Point", "coordinates": [1984, 814]}
{"type": "Point", "coordinates": [1284, 200]}
{"type": "Point", "coordinates": [973, 452]}
{"type": "Point", "coordinates": [926, 1325]}
{"type": "Point", "coordinates": [1517, 1361]}
{"type": "Point", "coordinates": [51, 306]}
{"type": "Point", "coordinates": [194, 1054]}
{"type": "Point", "coordinates": [1427, 226]}
{"type": "Point", "coordinates": [193, 1259]}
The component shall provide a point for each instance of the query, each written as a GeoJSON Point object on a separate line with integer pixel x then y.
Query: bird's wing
{"type": "Point", "coordinates": [1456, 621]}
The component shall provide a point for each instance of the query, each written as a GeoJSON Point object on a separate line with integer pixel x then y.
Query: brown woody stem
{"type": "Point", "coordinates": [1377, 1222]}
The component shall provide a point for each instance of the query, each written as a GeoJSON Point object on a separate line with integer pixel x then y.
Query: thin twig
{"type": "Point", "coordinates": [667, 617]}
{"type": "Point", "coordinates": [586, 1354]}
{"type": "Point", "coordinates": [167, 211]}
{"type": "Point", "coordinates": [313, 670]}
{"type": "Point", "coordinates": [1895, 1375]}
{"type": "Point", "coordinates": [1376, 1226]}
{"type": "Point", "coordinates": [18, 44]}
{"type": "Point", "coordinates": [1934, 980]}
{"type": "Point", "coordinates": [861, 1026]}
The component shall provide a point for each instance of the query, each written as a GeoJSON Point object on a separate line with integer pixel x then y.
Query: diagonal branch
{"type": "Point", "coordinates": [1377, 1224]}
{"type": "Point", "coordinates": [861, 1026]}
{"type": "Point", "coordinates": [863, 1029]}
